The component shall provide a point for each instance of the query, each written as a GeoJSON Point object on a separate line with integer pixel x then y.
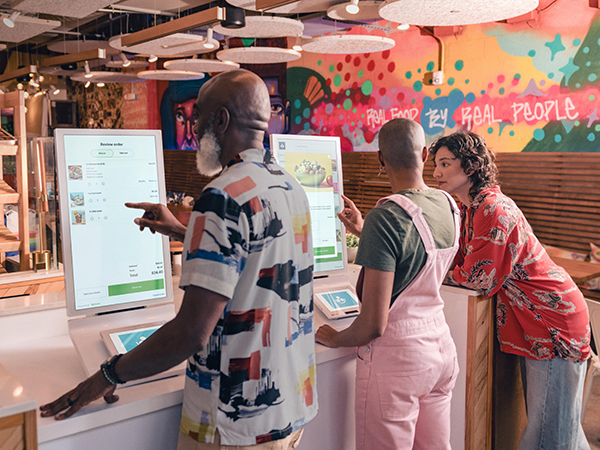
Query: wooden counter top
{"type": "Point", "coordinates": [580, 271]}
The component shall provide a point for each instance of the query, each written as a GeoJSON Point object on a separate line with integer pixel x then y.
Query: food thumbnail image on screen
{"type": "Point", "coordinates": [78, 217]}
{"type": "Point", "coordinates": [77, 199]}
{"type": "Point", "coordinates": [75, 173]}
{"type": "Point", "coordinates": [316, 171]}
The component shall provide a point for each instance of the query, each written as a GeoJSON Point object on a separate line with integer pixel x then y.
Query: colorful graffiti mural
{"type": "Point", "coordinates": [525, 86]}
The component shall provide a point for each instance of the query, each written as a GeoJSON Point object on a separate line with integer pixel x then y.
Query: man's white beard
{"type": "Point", "coordinates": [208, 155]}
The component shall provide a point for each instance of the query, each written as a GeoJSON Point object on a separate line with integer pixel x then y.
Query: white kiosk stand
{"type": "Point", "coordinates": [316, 163]}
{"type": "Point", "coordinates": [117, 279]}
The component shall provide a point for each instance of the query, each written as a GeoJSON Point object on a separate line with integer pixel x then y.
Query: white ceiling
{"type": "Point", "coordinates": [68, 17]}
{"type": "Point", "coordinates": [26, 28]}
{"type": "Point", "coordinates": [69, 8]}
{"type": "Point", "coordinates": [162, 5]}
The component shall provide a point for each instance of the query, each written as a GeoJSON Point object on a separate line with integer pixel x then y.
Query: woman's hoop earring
{"type": "Point", "coordinates": [381, 169]}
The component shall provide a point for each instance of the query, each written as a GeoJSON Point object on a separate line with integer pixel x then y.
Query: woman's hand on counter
{"type": "Point", "coordinates": [85, 393]}
{"type": "Point", "coordinates": [326, 335]}
{"type": "Point", "coordinates": [372, 320]}
{"type": "Point", "coordinates": [351, 217]}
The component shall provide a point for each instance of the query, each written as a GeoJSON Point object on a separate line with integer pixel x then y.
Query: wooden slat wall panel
{"type": "Point", "coordinates": [181, 174]}
{"type": "Point", "coordinates": [559, 193]}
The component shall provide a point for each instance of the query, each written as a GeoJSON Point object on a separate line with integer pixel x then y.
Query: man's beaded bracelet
{"type": "Point", "coordinates": [108, 370]}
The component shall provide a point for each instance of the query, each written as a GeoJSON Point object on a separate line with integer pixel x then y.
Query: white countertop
{"type": "Point", "coordinates": [14, 399]}
{"type": "Point", "coordinates": [37, 349]}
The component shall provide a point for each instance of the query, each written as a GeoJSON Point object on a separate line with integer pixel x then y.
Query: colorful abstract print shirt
{"type": "Point", "coordinates": [249, 239]}
{"type": "Point", "coordinates": [540, 312]}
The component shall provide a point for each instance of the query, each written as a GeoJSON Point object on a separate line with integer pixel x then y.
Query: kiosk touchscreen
{"type": "Point", "coordinates": [115, 275]}
{"type": "Point", "coordinates": [315, 161]}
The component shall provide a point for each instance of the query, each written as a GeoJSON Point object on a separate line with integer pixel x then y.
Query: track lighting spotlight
{"type": "Point", "coordinates": [298, 45]}
{"type": "Point", "coordinates": [126, 62]}
{"type": "Point", "coordinates": [88, 72]}
{"type": "Point", "coordinates": [352, 7]}
{"type": "Point", "coordinates": [9, 21]}
{"type": "Point", "coordinates": [209, 39]}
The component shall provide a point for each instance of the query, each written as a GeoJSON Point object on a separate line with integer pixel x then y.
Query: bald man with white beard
{"type": "Point", "coordinates": [246, 321]}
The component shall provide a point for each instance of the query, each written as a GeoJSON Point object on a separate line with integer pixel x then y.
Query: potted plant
{"type": "Point", "coordinates": [352, 246]}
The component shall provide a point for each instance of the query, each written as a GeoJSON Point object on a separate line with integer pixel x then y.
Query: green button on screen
{"type": "Point", "coordinates": [132, 288]}
{"type": "Point", "coordinates": [323, 251]}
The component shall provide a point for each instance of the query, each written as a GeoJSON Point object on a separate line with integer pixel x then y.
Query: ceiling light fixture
{"type": "Point", "coordinates": [209, 39]}
{"type": "Point", "coordinates": [100, 84]}
{"type": "Point", "coordinates": [348, 43]}
{"type": "Point", "coordinates": [88, 72]}
{"type": "Point", "coordinates": [298, 45]}
{"type": "Point", "coordinates": [258, 55]}
{"type": "Point", "coordinates": [26, 94]}
{"type": "Point", "coordinates": [436, 13]}
{"type": "Point", "coordinates": [87, 84]}
{"type": "Point", "coordinates": [55, 90]}
{"type": "Point", "coordinates": [264, 27]}
{"type": "Point", "coordinates": [98, 53]}
{"type": "Point", "coordinates": [234, 17]}
{"type": "Point", "coordinates": [369, 10]}
{"type": "Point", "coordinates": [352, 7]}
{"type": "Point", "coordinates": [126, 62]}
{"type": "Point", "coordinates": [403, 26]}
{"type": "Point", "coordinates": [200, 65]}
{"type": "Point", "coordinates": [20, 74]}
{"type": "Point", "coordinates": [34, 82]}
{"type": "Point", "coordinates": [19, 86]}
{"type": "Point", "coordinates": [9, 21]}
{"type": "Point", "coordinates": [196, 20]}
{"type": "Point", "coordinates": [152, 58]}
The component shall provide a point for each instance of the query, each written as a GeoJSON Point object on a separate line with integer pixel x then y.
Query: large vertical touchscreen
{"type": "Point", "coordinates": [110, 261]}
{"type": "Point", "coordinates": [315, 162]}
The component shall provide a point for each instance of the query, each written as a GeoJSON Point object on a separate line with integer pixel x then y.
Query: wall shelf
{"type": "Point", "coordinates": [15, 101]}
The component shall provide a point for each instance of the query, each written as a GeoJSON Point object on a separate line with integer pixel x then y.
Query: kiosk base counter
{"type": "Point", "coordinates": [86, 335]}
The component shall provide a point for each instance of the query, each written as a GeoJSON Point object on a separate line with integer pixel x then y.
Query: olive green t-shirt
{"type": "Point", "coordinates": [390, 241]}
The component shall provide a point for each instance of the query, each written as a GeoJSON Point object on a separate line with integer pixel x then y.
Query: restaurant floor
{"type": "Point", "coordinates": [591, 425]}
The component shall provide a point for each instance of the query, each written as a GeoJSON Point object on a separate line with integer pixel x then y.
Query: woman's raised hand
{"type": "Point", "coordinates": [351, 217]}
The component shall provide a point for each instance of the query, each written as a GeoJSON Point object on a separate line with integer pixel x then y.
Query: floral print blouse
{"type": "Point", "coordinates": [540, 312]}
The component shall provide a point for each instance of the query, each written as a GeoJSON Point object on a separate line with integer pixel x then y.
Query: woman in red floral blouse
{"type": "Point", "coordinates": [540, 315]}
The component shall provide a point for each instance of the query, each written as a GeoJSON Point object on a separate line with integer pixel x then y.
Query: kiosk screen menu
{"type": "Point", "coordinates": [111, 261]}
{"type": "Point", "coordinates": [315, 161]}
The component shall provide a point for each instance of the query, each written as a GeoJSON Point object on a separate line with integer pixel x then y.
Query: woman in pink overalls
{"type": "Point", "coordinates": [406, 366]}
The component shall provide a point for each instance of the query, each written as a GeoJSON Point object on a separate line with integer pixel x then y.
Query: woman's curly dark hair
{"type": "Point", "coordinates": [475, 158]}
